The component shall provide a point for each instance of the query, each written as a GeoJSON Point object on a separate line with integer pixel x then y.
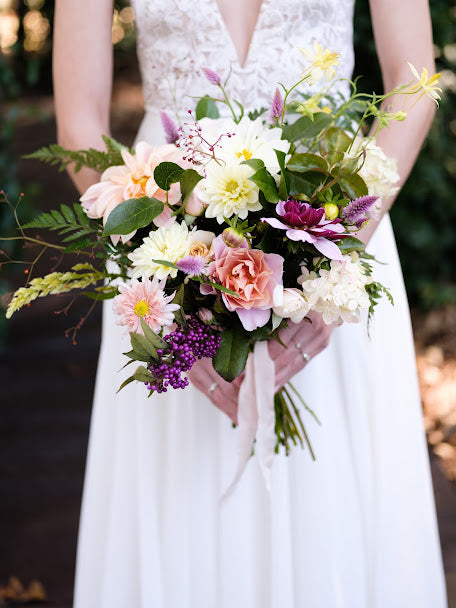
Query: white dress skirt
{"type": "Point", "coordinates": [355, 529]}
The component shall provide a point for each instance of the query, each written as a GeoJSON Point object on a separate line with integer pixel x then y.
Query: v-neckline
{"type": "Point", "coordinates": [227, 32]}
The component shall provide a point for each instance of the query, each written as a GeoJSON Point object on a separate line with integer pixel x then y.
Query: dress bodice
{"type": "Point", "coordinates": [176, 38]}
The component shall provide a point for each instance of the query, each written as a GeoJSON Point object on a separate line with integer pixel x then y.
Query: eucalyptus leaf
{"type": "Point", "coordinates": [167, 173]}
{"type": "Point", "coordinates": [231, 357]}
{"type": "Point", "coordinates": [206, 108]}
{"type": "Point", "coordinates": [132, 214]}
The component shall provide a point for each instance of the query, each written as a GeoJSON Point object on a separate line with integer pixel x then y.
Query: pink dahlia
{"type": "Point", "coordinates": [134, 179]}
{"type": "Point", "coordinates": [255, 277]}
{"type": "Point", "coordinates": [145, 299]}
{"type": "Point", "coordinates": [304, 223]}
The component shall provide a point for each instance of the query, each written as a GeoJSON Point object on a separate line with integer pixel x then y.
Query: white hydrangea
{"type": "Point", "coordinates": [167, 243]}
{"type": "Point", "coordinates": [378, 171]}
{"type": "Point", "coordinates": [339, 294]}
{"type": "Point", "coordinates": [227, 191]}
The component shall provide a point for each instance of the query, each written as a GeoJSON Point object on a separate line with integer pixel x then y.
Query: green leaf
{"type": "Point", "coordinates": [143, 375]}
{"type": "Point", "coordinates": [125, 383]}
{"type": "Point", "coordinates": [305, 183]}
{"type": "Point", "coordinates": [351, 244]}
{"type": "Point", "coordinates": [188, 181]}
{"type": "Point", "coordinates": [58, 217]}
{"type": "Point", "coordinates": [255, 163]}
{"type": "Point", "coordinates": [68, 214]}
{"type": "Point", "coordinates": [81, 214]}
{"type": "Point", "coordinates": [206, 108]}
{"type": "Point", "coordinates": [154, 339]}
{"type": "Point", "coordinates": [179, 315]}
{"type": "Point", "coordinates": [301, 163]}
{"type": "Point", "coordinates": [142, 346]}
{"type": "Point", "coordinates": [231, 357]}
{"type": "Point", "coordinates": [307, 128]}
{"type": "Point", "coordinates": [167, 173]}
{"type": "Point", "coordinates": [334, 140]}
{"type": "Point", "coordinates": [353, 186]}
{"type": "Point", "coordinates": [266, 183]}
{"type": "Point", "coordinates": [134, 356]}
{"type": "Point", "coordinates": [215, 285]}
{"type": "Point", "coordinates": [114, 148]}
{"type": "Point", "coordinates": [132, 214]}
{"type": "Point", "coordinates": [284, 184]}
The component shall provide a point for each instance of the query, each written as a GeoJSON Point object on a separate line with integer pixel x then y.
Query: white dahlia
{"type": "Point", "coordinates": [227, 190]}
{"type": "Point", "coordinates": [252, 139]}
{"type": "Point", "coordinates": [168, 243]}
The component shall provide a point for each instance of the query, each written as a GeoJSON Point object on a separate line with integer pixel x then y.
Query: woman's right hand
{"type": "Point", "coordinates": [303, 341]}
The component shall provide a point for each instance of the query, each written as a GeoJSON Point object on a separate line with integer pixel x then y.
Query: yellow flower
{"type": "Point", "coordinates": [322, 63]}
{"type": "Point", "coordinates": [312, 105]}
{"type": "Point", "coordinates": [427, 85]}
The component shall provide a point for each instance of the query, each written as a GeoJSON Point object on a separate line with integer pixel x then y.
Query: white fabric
{"type": "Point", "coordinates": [356, 528]}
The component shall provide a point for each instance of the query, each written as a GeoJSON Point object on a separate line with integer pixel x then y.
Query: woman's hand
{"type": "Point", "coordinates": [303, 342]}
{"type": "Point", "coordinates": [223, 394]}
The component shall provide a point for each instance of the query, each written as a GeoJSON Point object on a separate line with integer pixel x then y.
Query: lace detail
{"type": "Point", "coordinates": [176, 38]}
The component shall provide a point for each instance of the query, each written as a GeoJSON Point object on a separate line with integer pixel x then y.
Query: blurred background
{"type": "Point", "coordinates": [47, 381]}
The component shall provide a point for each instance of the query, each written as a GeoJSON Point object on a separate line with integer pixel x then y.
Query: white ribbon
{"type": "Point", "coordinates": [256, 416]}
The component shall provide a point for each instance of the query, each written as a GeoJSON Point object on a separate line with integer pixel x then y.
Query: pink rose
{"type": "Point", "coordinates": [255, 276]}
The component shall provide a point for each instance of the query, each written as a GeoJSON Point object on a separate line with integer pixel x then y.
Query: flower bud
{"type": "Point", "coordinates": [206, 315]}
{"type": "Point", "coordinates": [232, 237]}
{"type": "Point", "coordinates": [331, 211]}
{"type": "Point", "coordinates": [194, 206]}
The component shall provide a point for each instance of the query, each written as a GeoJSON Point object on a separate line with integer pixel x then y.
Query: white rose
{"type": "Point", "coordinates": [295, 305]}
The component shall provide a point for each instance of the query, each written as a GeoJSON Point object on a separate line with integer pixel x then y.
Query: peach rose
{"type": "Point", "coordinates": [255, 276]}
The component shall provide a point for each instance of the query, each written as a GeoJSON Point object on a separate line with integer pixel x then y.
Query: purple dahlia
{"type": "Point", "coordinates": [304, 223]}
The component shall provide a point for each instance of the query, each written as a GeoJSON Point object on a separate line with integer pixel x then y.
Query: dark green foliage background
{"type": "Point", "coordinates": [424, 215]}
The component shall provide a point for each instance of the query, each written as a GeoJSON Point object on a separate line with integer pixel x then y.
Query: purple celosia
{"type": "Point", "coordinates": [192, 265]}
{"type": "Point", "coordinates": [169, 128]}
{"type": "Point", "coordinates": [212, 76]}
{"type": "Point", "coordinates": [355, 213]}
{"type": "Point", "coordinates": [183, 347]}
{"type": "Point", "coordinates": [276, 108]}
{"type": "Point", "coordinates": [304, 223]}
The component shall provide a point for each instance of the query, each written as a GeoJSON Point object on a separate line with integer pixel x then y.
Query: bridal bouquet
{"type": "Point", "coordinates": [238, 226]}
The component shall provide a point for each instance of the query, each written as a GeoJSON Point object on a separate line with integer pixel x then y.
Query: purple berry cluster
{"type": "Point", "coordinates": [185, 345]}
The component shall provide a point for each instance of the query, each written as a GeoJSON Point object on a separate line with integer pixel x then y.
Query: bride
{"type": "Point", "coordinates": [356, 528]}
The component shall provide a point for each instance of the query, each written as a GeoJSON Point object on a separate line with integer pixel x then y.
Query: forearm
{"type": "Point", "coordinates": [402, 141]}
{"type": "Point", "coordinates": [82, 70]}
{"type": "Point", "coordinates": [402, 32]}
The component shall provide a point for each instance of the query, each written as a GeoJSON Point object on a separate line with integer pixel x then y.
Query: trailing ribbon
{"type": "Point", "coordinates": [256, 416]}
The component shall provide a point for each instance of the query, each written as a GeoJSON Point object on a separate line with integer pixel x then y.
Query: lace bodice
{"type": "Point", "coordinates": [176, 38]}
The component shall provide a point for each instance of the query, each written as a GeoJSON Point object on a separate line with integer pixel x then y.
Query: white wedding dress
{"type": "Point", "coordinates": [356, 528]}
